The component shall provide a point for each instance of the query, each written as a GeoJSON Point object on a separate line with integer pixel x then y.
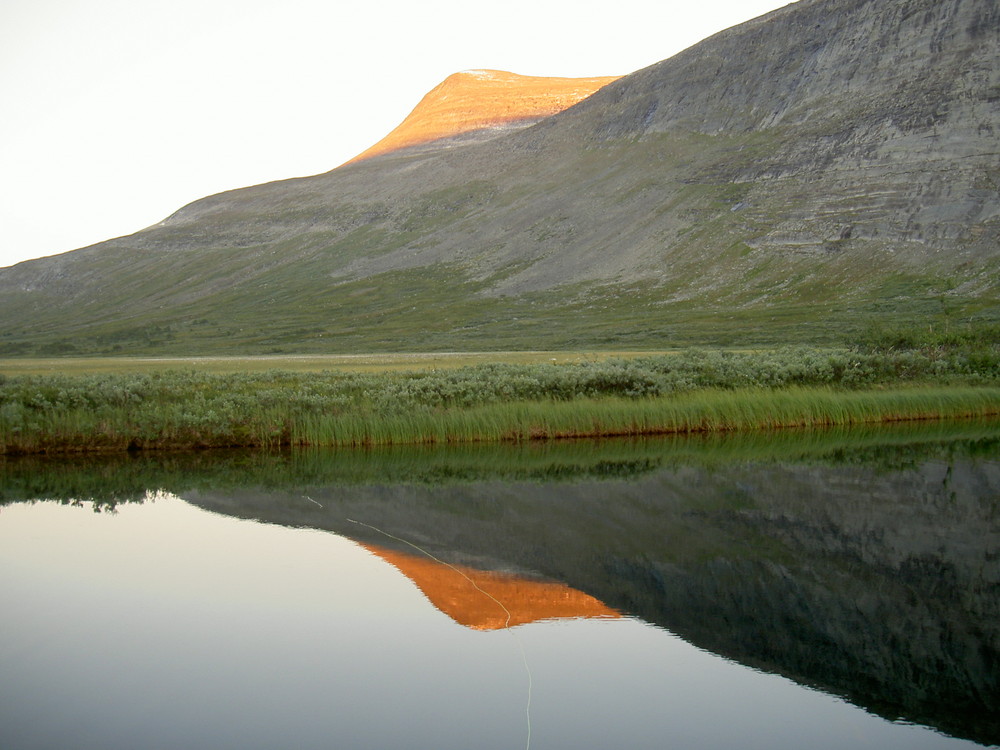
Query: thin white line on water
{"type": "Point", "coordinates": [311, 500]}
{"type": "Point", "coordinates": [506, 626]}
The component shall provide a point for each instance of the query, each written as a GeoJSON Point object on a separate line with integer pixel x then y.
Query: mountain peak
{"type": "Point", "coordinates": [484, 103]}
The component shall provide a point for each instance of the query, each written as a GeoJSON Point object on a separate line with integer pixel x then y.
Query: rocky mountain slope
{"type": "Point", "coordinates": [829, 164]}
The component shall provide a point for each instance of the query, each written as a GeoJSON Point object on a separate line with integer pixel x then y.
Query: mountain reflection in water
{"type": "Point", "coordinates": [864, 563]}
{"type": "Point", "coordinates": [489, 600]}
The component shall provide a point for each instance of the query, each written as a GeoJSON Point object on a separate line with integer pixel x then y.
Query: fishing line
{"type": "Point", "coordinates": [487, 594]}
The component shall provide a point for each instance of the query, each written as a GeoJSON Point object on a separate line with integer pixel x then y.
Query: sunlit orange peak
{"type": "Point", "coordinates": [490, 601]}
{"type": "Point", "coordinates": [485, 100]}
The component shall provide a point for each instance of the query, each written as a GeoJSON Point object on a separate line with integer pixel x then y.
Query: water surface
{"type": "Point", "coordinates": [836, 590]}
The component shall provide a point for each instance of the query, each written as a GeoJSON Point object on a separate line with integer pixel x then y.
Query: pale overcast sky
{"type": "Point", "coordinates": [115, 113]}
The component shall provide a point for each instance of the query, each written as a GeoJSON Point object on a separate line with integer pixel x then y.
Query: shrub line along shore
{"type": "Point", "coordinates": [706, 411]}
{"type": "Point", "coordinates": [691, 391]}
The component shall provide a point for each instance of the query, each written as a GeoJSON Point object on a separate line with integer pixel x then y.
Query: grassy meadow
{"type": "Point", "coordinates": [356, 363]}
{"type": "Point", "coordinates": [117, 405]}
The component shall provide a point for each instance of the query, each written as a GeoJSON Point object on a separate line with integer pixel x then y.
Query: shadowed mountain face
{"type": "Point", "coordinates": [786, 179]}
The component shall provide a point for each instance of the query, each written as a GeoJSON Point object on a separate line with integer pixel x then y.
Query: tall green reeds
{"type": "Point", "coordinates": [701, 411]}
{"type": "Point", "coordinates": [689, 392]}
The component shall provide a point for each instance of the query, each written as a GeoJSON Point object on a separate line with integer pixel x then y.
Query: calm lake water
{"type": "Point", "coordinates": [798, 590]}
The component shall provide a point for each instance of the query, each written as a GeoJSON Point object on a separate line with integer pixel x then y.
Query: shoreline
{"type": "Point", "coordinates": [696, 411]}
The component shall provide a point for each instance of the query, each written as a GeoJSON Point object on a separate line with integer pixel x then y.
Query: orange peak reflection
{"type": "Point", "coordinates": [483, 100]}
{"type": "Point", "coordinates": [451, 590]}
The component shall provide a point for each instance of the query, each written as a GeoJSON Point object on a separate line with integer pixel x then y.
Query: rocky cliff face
{"type": "Point", "coordinates": [791, 178]}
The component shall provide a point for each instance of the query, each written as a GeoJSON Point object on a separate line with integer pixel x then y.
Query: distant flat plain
{"type": "Point", "coordinates": [380, 362]}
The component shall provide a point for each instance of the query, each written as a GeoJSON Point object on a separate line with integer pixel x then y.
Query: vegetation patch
{"type": "Point", "coordinates": [690, 391]}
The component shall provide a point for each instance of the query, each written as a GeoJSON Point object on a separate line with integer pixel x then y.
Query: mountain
{"type": "Point", "coordinates": [794, 178]}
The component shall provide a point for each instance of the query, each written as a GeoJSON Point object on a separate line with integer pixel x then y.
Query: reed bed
{"type": "Point", "coordinates": [704, 411]}
{"type": "Point", "coordinates": [692, 391]}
